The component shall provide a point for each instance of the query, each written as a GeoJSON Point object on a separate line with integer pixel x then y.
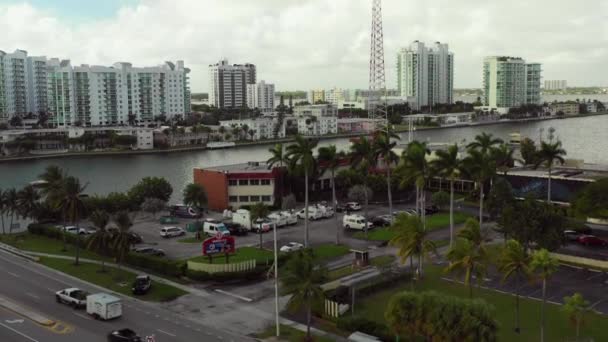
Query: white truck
{"type": "Point", "coordinates": [356, 222]}
{"type": "Point", "coordinates": [242, 217]}
{"type": "Point", "coordinates": [278, 219]}
{"type": "Point", "coordinates": [326, 211]}
{"type": "Point", "coordinates": [104, 306]}
{"type": "Point", "coordinates": [290, 216]}
{"type": "Point", "coordinates": [313, 213]}
{"type": "Point", "coordinates": [72, 296]}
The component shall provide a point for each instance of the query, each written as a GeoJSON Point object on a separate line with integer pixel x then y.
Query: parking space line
{"type": "Point", "coordinates": [596, 303]}
{"type": "Point", "coordinates": [594, 276]}
{"type": "Point", "coordinates": [32, 295]}
{"type": "Point", "coordinates": [13, 274]}
{"type": "Point", "coordinates": [166, 333]}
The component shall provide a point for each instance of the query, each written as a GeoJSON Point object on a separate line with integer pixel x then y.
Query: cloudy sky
{"type": "Point", "coordinates": [303, 44]}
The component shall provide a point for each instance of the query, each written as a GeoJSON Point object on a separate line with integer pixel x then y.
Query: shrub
{"type": "Point", "coordinates": [363, 325]}
{"type": "Point", "coordinates": [259, 272]}
{"type": "Point", "coordinates": [163, 266]}
{"type": "Point", "coordinates": [441, 199]}
{"type": "Point", "coordinates": [55, 233]}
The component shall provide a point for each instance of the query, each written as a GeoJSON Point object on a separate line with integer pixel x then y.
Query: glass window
{"type": "Point", "coordinates": [233, 198]}
{"type": "Point", "coordinates": [254, 198]}
{"type": "Point", "coordinates": [243, 182]}
{"type": "Point", "coordinates": [265, 181]}
{"type": "Point", "coordinates": [265, 198]}
{"type": "Point", "coordinates": [243, 198]}
{"type": "Point", "coordinates": [254, 182]}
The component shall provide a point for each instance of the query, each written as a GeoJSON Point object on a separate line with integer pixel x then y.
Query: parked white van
{"type": "Point", "coordinates": [290, 216]}
{"type": "Point", "coordinates": [278, 219]}
{"type": "Point", "coordinates": [313, 213]}
{"type": "Point", "coordinates": [212, 227]}
{"type": "Point", "coordinates": [355, 222]}
{"type": "Point", "coordinates": [168, 232]}
{"type": "Point", "coordinates": [327, 212]}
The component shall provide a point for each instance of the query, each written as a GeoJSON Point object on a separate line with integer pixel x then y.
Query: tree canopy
{"type": "Point", "coordinates": [593, 200]}
{"type": "Point", "coordinates": [151, 187]}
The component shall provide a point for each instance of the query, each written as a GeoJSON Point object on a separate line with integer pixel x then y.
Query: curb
{"type": "Point", "coordinates": [26, 312]}
{"type": "Point", "coordinates": [17, 252]}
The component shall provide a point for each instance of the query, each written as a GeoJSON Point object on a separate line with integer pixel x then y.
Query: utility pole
{"type": "Point", "coordinates": [377, 80]}
{"type": "Point", "coordinates": [276, 284]}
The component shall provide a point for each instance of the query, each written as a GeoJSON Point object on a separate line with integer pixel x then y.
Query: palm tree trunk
{"type": "Point", "coordinates": [542, 312]}
{"type": "Point", "coordinates": [517, 304]}
{"type": "Point", "coordinates": [420, 266]}
{"type": "Point", "coordinates": [549, 187]}
{"type": "Point", "coordinates": [417, 199]}
{"type": "Point", "coordinates": [578, 328]}
{"type": "Point", "coordinates": [2, 218]}
{"type": "Point", "coordinates": [77, 259]}
{"type": "Point", "coordinates": [308, 321]}
{"type": "Point", "coordinates": [451, 212]}
{"type": "Point", "coordinates": [470, 290]}
{"type": "Point", "coordinates": [306, 208]}
{"type": "Point", "coordinates": [333, 193]}
{"type": "Point", "coordinates": [480, 204]}
{"type": "Point", "coordinates": [260, 234]}
{"type": "Point", "coordinates": [10, 227]}
{"type": "Point", "coordinates": [388, 186]}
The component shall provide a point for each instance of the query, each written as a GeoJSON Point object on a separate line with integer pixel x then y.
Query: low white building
{"type": "Point", "coordinates": [263, 127]}
{"type": "Point", "coordinates": [315, 110]}
{"type": "Point", "coordinates": [321, 125]}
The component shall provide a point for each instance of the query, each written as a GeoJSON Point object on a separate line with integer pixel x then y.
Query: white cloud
{"type": "Point", "coordinates": [301, 44]}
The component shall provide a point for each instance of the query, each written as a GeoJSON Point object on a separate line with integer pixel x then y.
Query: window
{"type": "Point", "coordinates": [254, 182]}
{"type": "Point", "coordinates": [265, 181]}
{"type": "Point", "coordinates": [243, 182]}
{"type": "Point", "coordinates": [265, 198]}
{"type": "Point", "coordinates": [233, 198]}
{"type": "Point", "coordinates": [254, 198]}
{"type": "Point", "coordinates": [232, 182]}
{"type": "Point", "coordinates": [243, 198]}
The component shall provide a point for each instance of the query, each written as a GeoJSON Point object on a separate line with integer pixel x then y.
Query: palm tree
{"type": "Point", "coordinates": [11, 208]}
{"type": "Point", "coordinates": [302, 153]}
{"type": "Point", "coordinates": [484, 142]}
{"type": "Point", "coordinates": [472, 232]}
{"type": "Point", "coordinates": [121, 240]}
{"type": "Point", "coordinates": [414, 168]}
{"type": "Point", "coordinates": [544, 265]}
{"type": "Point", "coordinates": [362, 157]}
{"type": "Point", "coordinates": [514, 262]}
{"type": "Point", "coordinates": [575, 307]}
{"type": "Point", "coordinates": [480, 167]}
{"type": "Point", "coordinates": [383, 149]}
{"type": "Point", "coordinates": [28, 202]}
{"type": "Point", "coordinates": [329, 159]}
{"type": "Point", "coordinates": [278, 157]}
{"type": "Point", "coordinates": [466, 258]}
{"type": "Point", "coordinates": [53, 177]}
{"type": "Point", "coordinates": [194, 195]}
{"type": "Point", "coordinates": [100, 240]}
{"type": "Point", "coordinates": [3, 209]}
{"type": "Point", "coordinates": [411, 239]}
{"type": "Point", "coordinates": [258, 210]}
{"type": "Point", "coordinates": [303, 278]}
{"type": "Point", "coordinates": [72, 206]}
{"type": "Point", "coordinates": [548, 155]}
{"type": "Point", "coordinates": [448, 165]}
{"type": "Point", "coordinates": [503, 156]}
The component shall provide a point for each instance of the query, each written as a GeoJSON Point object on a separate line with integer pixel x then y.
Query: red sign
{"type": "Point", "coordinates": [219, 244]}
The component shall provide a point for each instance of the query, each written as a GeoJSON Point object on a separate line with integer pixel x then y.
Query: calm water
{"type": "Point", "coordinates": [583, 138]}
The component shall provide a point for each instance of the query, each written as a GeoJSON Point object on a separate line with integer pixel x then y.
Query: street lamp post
{"type": "Point", "coordinates": [276, 283]}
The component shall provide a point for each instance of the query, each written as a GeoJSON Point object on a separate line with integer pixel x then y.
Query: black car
{"type": "Point", "coordinates": [141, 285]}
{"type": "Point", "coordinates": [430, 210]}
{"type": "Point", "coordinates": [235, 229]}
{"type": "Point", "coordinates": [150, 251]}
{"type": "Point", "coordinates": [340, 208]}
{"type": "Point", "coordinates": [124, 335]}
{"type": "Point", "coordinates": [134, 238]}
{"type": "Point", "coordinates": [381, 221]}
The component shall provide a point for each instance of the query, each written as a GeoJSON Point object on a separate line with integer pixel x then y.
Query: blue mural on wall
{"type": "Point", "coordinates": [562, 190]}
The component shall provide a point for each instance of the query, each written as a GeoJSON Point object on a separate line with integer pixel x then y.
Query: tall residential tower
{"type": "Point", "coordinates": [426, 74]}
{"type": "Point", "coordinates": [229, 84]}
{"type": "Point", "coordinates": [510, 82]}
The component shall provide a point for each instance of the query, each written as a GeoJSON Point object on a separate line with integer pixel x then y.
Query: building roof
{"type": "Point", "coordinates": [584, 173]}
{"type": "Point", "coordinates": [252, 166]}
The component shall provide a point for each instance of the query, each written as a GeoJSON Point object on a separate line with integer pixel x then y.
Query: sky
{"type": "Point", "coordinates": [306, 44]}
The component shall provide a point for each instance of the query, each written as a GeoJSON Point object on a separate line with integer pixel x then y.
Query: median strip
{"type": "Point", "coordinates": [26, 312]}
{"type": "Point", "coordinates": [249, 300]}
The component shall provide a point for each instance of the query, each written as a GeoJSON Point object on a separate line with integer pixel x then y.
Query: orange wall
{"type": "Point", "coordinates": [216, 185]}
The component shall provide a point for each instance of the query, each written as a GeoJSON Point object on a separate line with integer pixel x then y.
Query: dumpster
{"type": "Point", "coordinates": [168, 220]}
{"type": "Point", "coordinates": [194, 227]}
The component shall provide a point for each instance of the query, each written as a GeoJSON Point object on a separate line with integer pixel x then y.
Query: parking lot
{"type": "Point", "coordinates": [321, 232]}
{"type": "Point", "coordinates": [566, 281]}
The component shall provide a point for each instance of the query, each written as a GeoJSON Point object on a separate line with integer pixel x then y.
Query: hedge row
{"type": "Point", "coordinates": [55, 233]}
{"type": "Point", "coordinates": [172, 268]}
{"type": "Point", "coordinates": [364, 325]}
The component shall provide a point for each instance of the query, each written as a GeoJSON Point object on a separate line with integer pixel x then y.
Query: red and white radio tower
{"type": "Point", "coordinates": [377, 80]}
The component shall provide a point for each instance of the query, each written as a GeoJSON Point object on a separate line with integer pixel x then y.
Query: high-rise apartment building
{"type": "Point", "coordinates": [426, 74]}
{"type": "Point", "coordinates": [261, 96]}
{"type": "Point", "coordinates": [334, 96]}
{"type": "Point", "coordinates": [315, 96]}
{"type": "Point", "coordinates": [510, 82]}
{"type": "Point", "coordinates": [556, 85]}
{"type": "Point", "coordinates": [91, 95]}
{"type": "Point", "coordinates": [228, 84]}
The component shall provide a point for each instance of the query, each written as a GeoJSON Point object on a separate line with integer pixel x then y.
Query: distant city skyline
{"type": "Point", "coordinates": [295, 52]}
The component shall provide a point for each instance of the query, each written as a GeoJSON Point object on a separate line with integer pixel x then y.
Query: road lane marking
{"type": "Point", "coordinates": [82, 316]}
{"type": "Point", "coordinates": [13, 321]}
{"type": "Point", "coordinates": [13, 274]}
{"type": "Point", "coordinates": [166, 333]}
{"type": "Point", "coordinates": [32, 295]}
{"type": "Point", "coordinates": [19, 332]}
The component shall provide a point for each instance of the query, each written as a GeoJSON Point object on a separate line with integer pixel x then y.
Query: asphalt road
{"type": "Point", "coordinates": [31, 285]}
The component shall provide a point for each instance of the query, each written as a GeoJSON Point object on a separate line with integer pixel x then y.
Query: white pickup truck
{"type": "Point", "coordinates": [74, 297]}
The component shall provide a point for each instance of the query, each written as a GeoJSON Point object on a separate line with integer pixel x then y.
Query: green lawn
{"type": "Point", "coordinates": [290, 334]}
{"type": "Point", "coordinates": [329, 251]}
{"type": "Point", "coordinates": [43, 244]}
{"type": "Point", "coordinates": [190, 240]}
{"type": "Point", "coordinates": [433, 222]}
{"type": "Point", "coordinates": [557, 323]}
{"type": "Point", "coordinates": [116, 280]}
{"type": "Point", "coordinates": [242, 254]}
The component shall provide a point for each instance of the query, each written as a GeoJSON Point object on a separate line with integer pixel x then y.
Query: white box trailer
{"type": "Point", "coordinates": [242, 217]}
{"type": "Point", "coordinates": [104, 306]}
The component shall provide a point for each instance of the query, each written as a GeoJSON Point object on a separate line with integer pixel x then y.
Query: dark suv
{"type": "Point", "coordinates": [124, 335]}
{"type": "Point", "coordinates": [142, 285]}
{"type": "Point", "coordinates": [235, 229]}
